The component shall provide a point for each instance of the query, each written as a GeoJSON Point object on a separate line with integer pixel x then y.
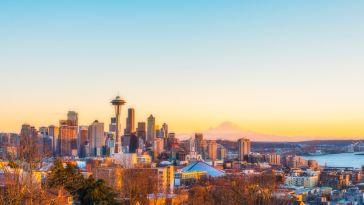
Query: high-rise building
{"type": "Point", "coordinates": [141, 145]}
{"type": "Point", "coordinates": [125, 143]}
{"type": "Point", "coordinates": [112, 125]}
{"type": "Point", "coordinates": [134, 143]}
{"type": "Point", "coordinates": [151, 134]}
{"type": "Point", "coordinates": [157, 132]}
{"type": "Point", "coordinates": [157, 147]}
{"type": "Point", "coordinates": [53, 132]}
{"type": "Point", "coordinates": [141, 131]}
{"type": "Point", "coordinates": [171, 141]}
{"type": "Point", "coordinates": [164, 130]}
{"type": "Point", "coordinates": [221, 152]}
{"type": "Point", "coordinates": [82, 140]}
{"type": "Point", "coordinates": [273, 158]}
{"type": "Point", "coordinates": [202, 146]}
{"type": "Point", "coordinates": [67, 138]}
{"type": "Point", "coordinates": [117, 103]}
{"type": "Point", "coordinates": [14, 139]}
{"type": "Point", "coordinates": [97, 138]}
{"type": "Point", "coordinates": [294, 161]}
{"type": "Point", "coordinates": [83, 134]}
{"type": "Point", "coordinates": [4, 139]}
{"type": "Point", "coordinates": [45, 142]}
{"type": "Point", "coordinates": [212, 150]}
{"type": "Point", "coordinates": [29, 139]}
{"type": "Point", "coordinates": [43, 131]}
{"type": "Point", "coordinates": [199, 142]}
{"type": "Point", "coordinates": [46, 146]}
{"type": "Point", "coordinates": [28, 131]}
{"type": "Point", "coordinates": [130, 128]}
{"type": "Point", "coordinates": [72, 117]}
{"type": "Point", "coordinates": [110, 143]}
{"type": "Point", "coordinates": [243, 148]}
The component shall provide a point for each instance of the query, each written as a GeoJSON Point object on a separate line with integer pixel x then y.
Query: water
{"type": "Point", "coordinates": [339, 160]}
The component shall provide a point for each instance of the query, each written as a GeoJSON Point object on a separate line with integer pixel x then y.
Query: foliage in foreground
{"type": "Point", "coordinates": [86, 191]}
{"type": "Point", "coordinates": [96, 192]}
{"type": "Point", "coordinates": [235, 190]}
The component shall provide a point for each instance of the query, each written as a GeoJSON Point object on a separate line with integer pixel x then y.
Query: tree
{"type": "Point", "coordinates": [96, 192]}
{"type": "Point", "coordinates": [67, 178]}
{"type": "Point", "coordinates": [87, 191]}
{"type": "Point", "coordinates": [22, 181]}
{"type": "Point", "coordinates": [57, 176]}
{"type": "Point", "coordinates": [236, 190]}
{"type": "Point", "coordinates": [138, 183]}
{"type": "Point", "coordinates": [74, 179]}
{"type": "Point", "coordinates": [12, 192]}
{"type": "Point", "coordinates": [30, 157]}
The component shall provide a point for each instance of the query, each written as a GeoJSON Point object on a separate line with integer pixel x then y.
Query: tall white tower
{"type": "Point", "coordinates": [117, 103]}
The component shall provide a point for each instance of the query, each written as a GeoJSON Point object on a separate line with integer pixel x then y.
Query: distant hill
{"type": "Point", "coordinates": [230, 131]}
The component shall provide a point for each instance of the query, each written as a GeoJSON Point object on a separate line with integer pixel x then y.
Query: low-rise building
{"type": "Point", "coordinates": [307, 179]}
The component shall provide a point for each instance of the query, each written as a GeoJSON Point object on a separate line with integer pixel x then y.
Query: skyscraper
{"type": "Point", "coordinates": [130, 128]}
{"type": "Point", "coordinates": [67, 138]}
{"type": "Point", "coordinates": [198, 141]}
{"type": "Point", "coordinates": [28, 139]}
{"type": "Point", "coordinates": [97, 138]}
{"type": "Point", "coordinates": [53, 132]}
{"type": "Point", "coordinates": [134, 143]}
{"type": "Point", "coordinates": [171, 141]}
{"type": "Point", "coordinates": [151, 134]}
{"type": "Point", "coordinates": [82, 140]}
{"type": "Point", "coordinates": [141, 131]}
{"type": "Point", "coordinates": [28, 131]}
{"type": "Point", "coordinates": [157, 131]}
{"type": "Point", "coordinates": [112, 125]}
{"type": "Point", "coordinates": [157, 147]}
{"type": "Point", "coordinates": [110, 143]}
{"type": "Point", "coordinates": [164, 130]}
{"type": "Point", "coordinates": [117, 103]}
{"type": "Point", "coordinates": [125, 143]}
{"type": "Point", "coordinates": [45, 142]}
{"type": "Point", "coordinates": [212, 150]}
{"type": "Point", "coordinates": [243, 148]}
{"type": "Point", "coordinates": [221, 152]}
{"type": "Point", "coordinates": [72, 117]}
{"type": "Point", "coordinates": [43, 131]}
{"type": "Point", "coordinates": [164, 135]}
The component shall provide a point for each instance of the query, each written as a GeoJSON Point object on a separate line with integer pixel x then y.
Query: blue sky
{"type": "Point", "coordinates": [279, 67]}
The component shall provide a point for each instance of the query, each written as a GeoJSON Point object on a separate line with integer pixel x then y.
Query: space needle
{"type": "Point", "coordinates": [117, 103]}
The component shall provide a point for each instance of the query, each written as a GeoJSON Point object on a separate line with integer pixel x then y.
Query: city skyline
{"type": "Point", "coordinates": [268, 68]}
{"type": "Point", "coordinates": [226, 130]}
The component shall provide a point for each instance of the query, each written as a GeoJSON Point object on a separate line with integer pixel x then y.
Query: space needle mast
{"type": "Point", "coordinates": [117, 103]}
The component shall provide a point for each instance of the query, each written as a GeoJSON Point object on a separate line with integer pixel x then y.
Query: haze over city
{"type": "Point", "coordinates": [285, 69]}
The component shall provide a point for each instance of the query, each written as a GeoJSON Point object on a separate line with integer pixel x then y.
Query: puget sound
{"type": "Point", "coordinates": [355, 160]}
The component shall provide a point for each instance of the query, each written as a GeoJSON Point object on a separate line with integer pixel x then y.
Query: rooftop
{"type": "Point", "coordinates": [203, 167]}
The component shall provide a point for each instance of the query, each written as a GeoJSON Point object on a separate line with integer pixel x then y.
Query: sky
{"type": "Point", "coordinates": [292, 68]}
